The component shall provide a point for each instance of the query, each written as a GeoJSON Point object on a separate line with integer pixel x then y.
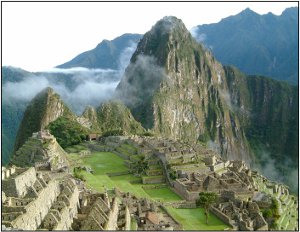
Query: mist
{"type": "Point", "coordinates": [268, 167]}
{"type": "Point", "coordinates": [78, 86]}
{"type": "Point", "coordinates": [144, 74]}
{"type": "Point", "coordinates": [198, 37]}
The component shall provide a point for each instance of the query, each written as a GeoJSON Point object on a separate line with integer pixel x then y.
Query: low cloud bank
{"type": "Point", "coordinates": [78, 86]}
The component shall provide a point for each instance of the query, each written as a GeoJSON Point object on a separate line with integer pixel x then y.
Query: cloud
{"type": "Point", "coordinates": [144, 74]}
{"type": "Point", "coordinates": [24, 90]}
{"type": "Point", "coordinates": [125, 56]}
{"type": "Point", "coordinates": [77, 70]}
{"type": "Point", "coordinates": [78, 86]}
{"type": "Point", "coordinates": [199, 37]}
{"type": "Point", "coordinates": [285, 173]}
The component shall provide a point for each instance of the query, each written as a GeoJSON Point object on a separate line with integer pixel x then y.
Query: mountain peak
{"type": "Point", "coordinates": [168, 24]}
{"type": "Point", "coordinates": [44, 108]}
{"type": "Point", "coordinates": [248, 11]}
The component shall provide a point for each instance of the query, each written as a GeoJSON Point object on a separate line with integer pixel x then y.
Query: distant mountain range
{"type": "Point", "coordinates": [106, 55]}
{"type": "Point", "coordinates": [257, 44]}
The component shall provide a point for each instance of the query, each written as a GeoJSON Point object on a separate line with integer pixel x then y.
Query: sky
{"type": "Point", "coordinates": [37, 36]}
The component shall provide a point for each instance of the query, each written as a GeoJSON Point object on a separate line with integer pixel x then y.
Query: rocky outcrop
{"type": "Point", "coordinates": [89, 118]}
{"type": "Point", "coordinates": [116, 118]}
{"type": "Point", "coordinates": [44, 108]}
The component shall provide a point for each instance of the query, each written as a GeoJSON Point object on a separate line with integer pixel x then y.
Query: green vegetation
{"type": "Point", "coordinates": [67, 132]}
{"type": "Point", "coordinates": [107, 162]}
{"type": "Point", "coordinates": [114, 118]}
{"type": "Point", "coordinates": [192, 219]}
{"type": "Point", "coordinates": [140, 166]}
{"type": "Point", "coordinates": [78, 174]}
{"type": "Point", "coordinates": [163, 194]}
{"type": "Point", "coordinates": [206, 199]}
{"type": "Point", "coordinates": [272, 214]}
{"type": "Point", "coordinates": [133, 224]}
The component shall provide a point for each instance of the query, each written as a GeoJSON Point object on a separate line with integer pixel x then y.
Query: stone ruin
{"type": "Point", "coordinates": [241, 215]}
{"type": "Point", "coordinates": [49, 200]}
{"type": "Point", "coordinates": [96, 212]}
{"type": "Point", "coordinates": [32, 200]}
{"type": "Point", "coordinates": [146, 213]}
{"type": "Point", "coordinates": [42, 151]}
{"type": "Point", "coordinates": [200, 170]}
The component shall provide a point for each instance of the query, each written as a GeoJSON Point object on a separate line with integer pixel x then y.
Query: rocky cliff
{"type": "Point", "coordinates": [116, 118]}
{"type": "Point", "coordinates": [268, 113]}
{"type": "Point", "coordinates": [178, 89]}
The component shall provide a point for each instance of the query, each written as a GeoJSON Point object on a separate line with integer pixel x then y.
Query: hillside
{"type": "Point", "coordinates": [257, 44]}
{"type": "Point", "coordinates": [43, 109]}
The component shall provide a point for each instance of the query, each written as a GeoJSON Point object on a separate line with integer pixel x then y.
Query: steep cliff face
{"type": "Point", "coordinates": [43, 109]}
{"type": "Point", "coordinates": [178, 89]}
{"type": "Point", "coordinates": [89, 116]}
{"type": "Point", "coordinates": [116, 118]}
{"type": "Point", "coordinates": [268, 112]}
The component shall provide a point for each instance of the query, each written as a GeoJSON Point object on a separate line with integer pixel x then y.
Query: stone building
{"type": "Point", "coordinates": [33, 200]}
{"type": "Point", "coordinates": [241, 215]}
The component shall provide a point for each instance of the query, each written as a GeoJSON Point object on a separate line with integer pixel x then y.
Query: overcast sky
{"type": "Point", "coordinates": [39, 35]}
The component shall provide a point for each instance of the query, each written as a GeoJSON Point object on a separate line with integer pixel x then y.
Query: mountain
{"type": "Point", "coordinates": [44, 108]}
{"type": "Point", "coordinates": [174, 86]}
{"type": "Point", "coordinates": [257, 44]}
{"type": "Point", "coordinates": [106, 55]}
{"type": "Point", "coordinates": [116, 118]}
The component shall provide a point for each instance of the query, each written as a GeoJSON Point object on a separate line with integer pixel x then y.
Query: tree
{"type": "Point", "coordinates": [206, 199]}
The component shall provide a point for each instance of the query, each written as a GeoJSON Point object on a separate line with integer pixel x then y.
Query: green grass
{"type": "Point", "coordinates": [133, 224]}
{"type": "Point", "coordinates": [194, 219]}
{"type": "Point", "coordinates": [98, 182]}
{"type": "Point", "coordinates": [163, 194]}
{"type": "Point", "coordinates": [105, 162]}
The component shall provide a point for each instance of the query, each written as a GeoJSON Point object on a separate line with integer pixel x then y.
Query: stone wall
{"type": "Point", "coordinates": [184, 193]}
{"type": "Point", "coordinates": [17, 186]}
{"type": "Point", "coordinates": [113, 216]}
{"type": "Point", "coordinates": [38, 209]}
{"type": "Point", "coordinates": [154, 180]}
{"type": "Point", "coordinates": [127, 219]}
{"type": "Point", "coordinates": [69, 212]}
{"type": "Point", "coordinates": [222, 216]}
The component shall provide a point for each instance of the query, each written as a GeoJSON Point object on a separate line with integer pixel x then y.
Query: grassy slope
{"type": "Point", "coordinates": [194, 219]}
{"type": "Point", "coordinates": [107, 162]}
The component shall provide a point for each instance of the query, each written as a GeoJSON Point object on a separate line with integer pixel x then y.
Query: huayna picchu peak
{"type": "Point", "coordinates": [183, 142]}
{"type": "Point", "coordinates": [184, 93]}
